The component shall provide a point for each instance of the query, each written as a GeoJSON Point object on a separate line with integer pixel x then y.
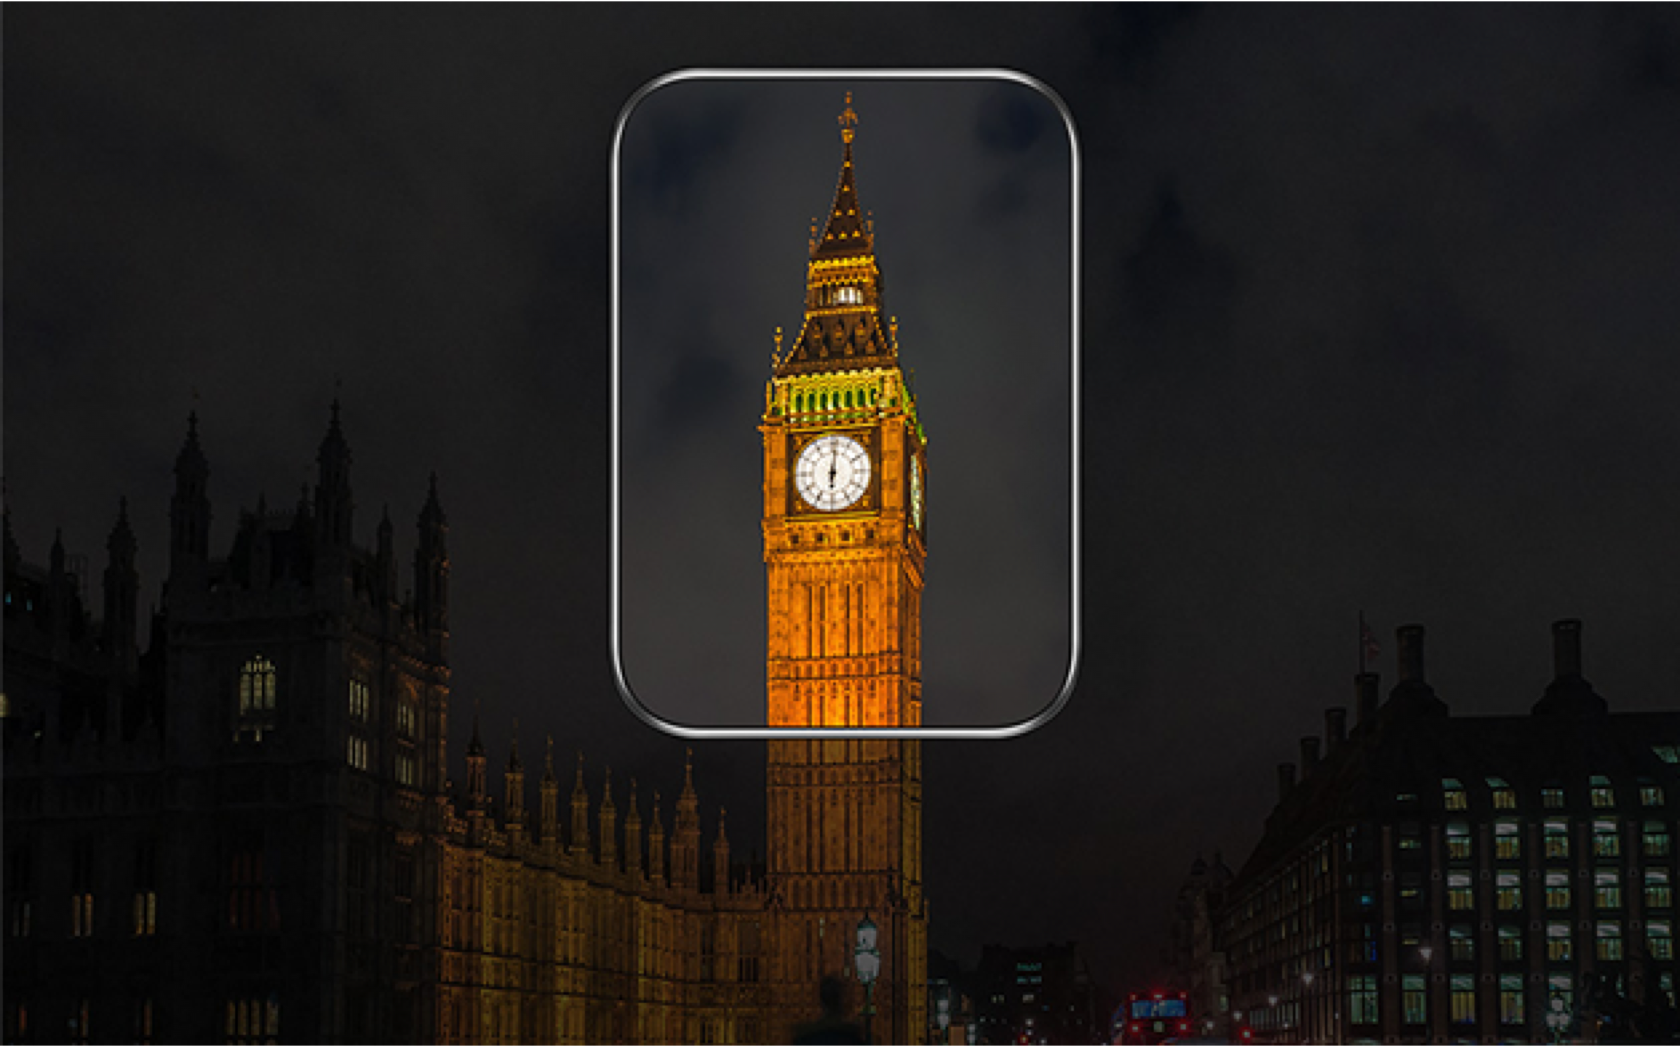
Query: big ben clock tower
{"type": "Point", "coordinates": [845, 478]}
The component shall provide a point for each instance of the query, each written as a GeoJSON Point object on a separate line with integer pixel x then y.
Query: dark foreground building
{"type": "Point", "coordinates": [1032, 995]}
{"type": "Point", "coordinates": [245, 832]}
{"type": "Point", "coordinates": [1432, 878]}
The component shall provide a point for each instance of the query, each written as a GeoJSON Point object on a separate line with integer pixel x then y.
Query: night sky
{"type": "Point", "coordinates": [1380, 314]}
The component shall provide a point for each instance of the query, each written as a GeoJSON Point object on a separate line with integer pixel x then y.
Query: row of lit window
{"type": "Point", "coordinates": [1607, 890]}
{"type": "Point", "coordinates": [258, 698]}
{"type": "Point", "coordinates": [1455, 797]}
{"type": "Point", "coordinates": [1655, 841]}
{"type": "Point", "coordinates": [1414, 1000]}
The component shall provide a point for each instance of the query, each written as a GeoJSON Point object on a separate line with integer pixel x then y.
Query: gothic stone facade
{"type": "Point", "coordinates": [244, 832]}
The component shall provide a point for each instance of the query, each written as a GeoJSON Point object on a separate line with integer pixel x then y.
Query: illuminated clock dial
{"type": "Point", "coordinates": [916, 493]}
{"type": "Point", "coordinates": [832, 472]}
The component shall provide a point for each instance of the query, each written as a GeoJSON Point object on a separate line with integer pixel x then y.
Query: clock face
{"type": "Point", "coordinates": [832, 472]}
{"type": "Point", "coordinates": [916, 493]}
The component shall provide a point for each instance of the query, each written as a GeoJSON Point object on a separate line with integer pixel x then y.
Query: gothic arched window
{"type": "Point", "coordinates": [257, 690]}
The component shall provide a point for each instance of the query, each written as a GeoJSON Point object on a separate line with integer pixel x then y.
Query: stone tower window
{"type": "Point", "coordinates": [257, 689]}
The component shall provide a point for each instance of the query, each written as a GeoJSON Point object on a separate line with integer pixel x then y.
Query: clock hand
{"type": "Point", "coordinates": [833, 464]}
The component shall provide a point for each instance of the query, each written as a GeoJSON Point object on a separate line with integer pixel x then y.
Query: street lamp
{"type": "Point", "coordinates": [866, 960]}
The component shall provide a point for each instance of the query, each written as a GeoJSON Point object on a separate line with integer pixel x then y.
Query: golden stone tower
{"type": "Point", "coordinates": [844, 551]}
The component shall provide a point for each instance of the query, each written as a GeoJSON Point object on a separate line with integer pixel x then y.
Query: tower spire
{"type": "Point", "coordinates": [843, 327]}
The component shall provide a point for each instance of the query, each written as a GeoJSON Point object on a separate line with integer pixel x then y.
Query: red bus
{"type": "Point", "coordinates": [1155, 1017]}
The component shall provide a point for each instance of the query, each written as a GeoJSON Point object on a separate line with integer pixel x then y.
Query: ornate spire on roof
{"type": "Point", "coordinates": [843, 328]}
{"type": "Point", "coordinates": [846, 233]}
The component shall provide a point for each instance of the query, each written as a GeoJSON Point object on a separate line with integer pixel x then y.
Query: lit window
{"type": "Point", "coordinates": [358, 753]}
{"type": "Point", "coordinates": [1558, 942]}
{"type": "Point", "coordinates": [253, 1020]}
{"type": "Point", "coordinates": [1458, 840]}
{"type": "Point", "coordinates": [1557, 839]}
{"type": "Point", "coordinates": [1507, 840]}
{"type": "Point", "coordinates": [406, 773]}
{"type": "Point", "coordinates": [1609, 940]}
{"type": "Point", "coordinates": [1659, 894]}
{"type": "Point", "coordinates": [1462, 941]}
{"type": "Point", "coordinates": [1607, 889]}
{"type": "Point", "coordinates": [1459, 895]}
{"type": "Point", "coordinates": [145, 890]}
{"type": "Point", "coordinates": [1453, 795]}
{"type": "Point", "coordinates": [1557, 890]}
{"type": "Point", "coordinates": [1414, 999]}
{"type": "Point", "coordinates": [1511, 999]}
{"type": "Point", "coordinates": [1463, 998]}
{"type": "Point", "coordinates": [143, 1020]}
{"type": "Point", "coordinates": [359, 701]}
{"type": "Point", "coordinates": [848, 296]}
{"type": "Point", "coordinates": [1504, 797]}
{"type": "Point", "coordinates": [81, 890]}
{"type": "Point", "coordinates": [1660, 939]}
{"type": "Point", "coordinates": [1607, 842]}
{"type": "Point", "coordinates": [406, 719]}
{"type": "Point", "coordinates": [1654, 841]}
{"type": "Point", "coordinates": [1363, 997]}
{"type": "Point", "coordinates": [1602, 794]}
{"type": "Point", "coordinates": [1551, 796]}
{"type": "Point", "coordinates": [257, 690]}
{"type": "Point", "coordinates": [1650, 794]}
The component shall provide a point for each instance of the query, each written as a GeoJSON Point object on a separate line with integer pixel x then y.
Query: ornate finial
{"type": "Point", "coordinates": [579, 784]}
{"type": "Point", "coordinates": [848, 121]}
{"type": "Point", "coordinates": [548, 757]}
{"type": "Point", "coordinates": [776, 357]}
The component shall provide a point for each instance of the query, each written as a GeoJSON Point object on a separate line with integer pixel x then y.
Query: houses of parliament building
{"type": "Point", "coordinates": [232, 820]}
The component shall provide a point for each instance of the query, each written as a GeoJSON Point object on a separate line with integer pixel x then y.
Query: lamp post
{"type": "Point", "coordinates": [866, 960]}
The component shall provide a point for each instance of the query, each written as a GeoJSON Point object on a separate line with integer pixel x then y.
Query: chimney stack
{"type": "Point", "coordinates": [1309, 755]}
{"type": "Point", "coordinates": [1335, 729]}
{"type": "Point", "coordinates": [1566, 648]}
{"type": "Point", "coordinates": [1411, 653]}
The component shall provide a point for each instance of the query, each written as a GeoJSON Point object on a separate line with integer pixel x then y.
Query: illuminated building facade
{"type": "Point", "coordinates": [245, 832]}
{"type": "Point", "coordinates": [1432, 878]}
{"type": "Point", "coordinates": [844, 532]}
